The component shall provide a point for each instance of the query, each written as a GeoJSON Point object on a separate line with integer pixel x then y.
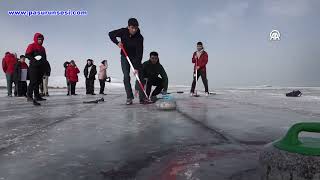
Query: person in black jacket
{"type": "Point", "coordinates": [20, 76]}
{"type": "Point", "coordinates": [65, 65]}
{"type": "Point", "coordinates": [132, 42]}
{"type": "Point", "coordinates": [151, 71]}
{"type": "Point", "coordinates": [90, 72]}
{"type": "Point", "coordinates": [45, 79]}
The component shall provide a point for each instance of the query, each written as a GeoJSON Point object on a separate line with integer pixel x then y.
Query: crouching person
{"type": "Point", "coordinates": [151, 70]}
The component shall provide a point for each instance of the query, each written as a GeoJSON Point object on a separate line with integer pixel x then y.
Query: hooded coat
{"type": "Point", "coordinates": [72, 73]}
{"type": "Point", "coordinates": [37, 67]}
{"type": "Point", "coordinates": [34, 49]}
{"type": "Point", "coordinates": [8, 63]}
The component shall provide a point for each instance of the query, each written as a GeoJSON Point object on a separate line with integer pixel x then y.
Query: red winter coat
{"type": "Point", "coordinates": [8, 63]}
{"type": "Point", "coordinates": [202, 61]}
{"type": "Point", "coordinates": [72, 73]}
{"type": "Point", "coordinates": [34, 49]}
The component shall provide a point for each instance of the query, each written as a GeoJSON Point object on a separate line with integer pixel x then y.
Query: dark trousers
{"type": "Point", "coordinates": [22, 88]}
{"type": "Point", "coordinates": [73, 87]}
{"type": "Point", "coordinates": [89, 86]}
{"type": "Point", "coordinates": [102, 85]}
{"type": "Point", "coordinates": [126, 79]}
{"type": "Point", "coordinates": [203, 75]}
{"type": "Point", "coordinates": [154, 82]}
{"type": "Point", "coordinates": [35, 80]}
{"type": "Point", "coordinates": [68, 86]}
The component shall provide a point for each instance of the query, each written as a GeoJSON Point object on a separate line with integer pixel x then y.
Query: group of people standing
{"type": "Point", "coordinates": [90, 71]}
{"type": "Point", "coordinates": [150, 73]}
{"type": "Point", "coordinates": [18, 72]}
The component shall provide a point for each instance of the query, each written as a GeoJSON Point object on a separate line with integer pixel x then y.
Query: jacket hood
{"type": "Point", "coordinates": [9, 55]}
{"type": "Point", "coordinates": [36, 36]}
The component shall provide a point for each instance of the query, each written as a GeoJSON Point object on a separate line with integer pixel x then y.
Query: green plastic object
{"type": "Point", "coordinates": [306, 146]}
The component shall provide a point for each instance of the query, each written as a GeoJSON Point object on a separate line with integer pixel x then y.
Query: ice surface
{"type": "Point", "coordinates": [215, 137]}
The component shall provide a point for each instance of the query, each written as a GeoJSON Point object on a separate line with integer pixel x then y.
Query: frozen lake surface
{"type": "Point", "coordinates": [215, 137]}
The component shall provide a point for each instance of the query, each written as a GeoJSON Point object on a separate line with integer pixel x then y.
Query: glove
{"type": "Point", "coordinates": [38, 57]}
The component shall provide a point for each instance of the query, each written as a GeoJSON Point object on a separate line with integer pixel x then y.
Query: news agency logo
{"type": "Point", "coordinates": [275, 35]}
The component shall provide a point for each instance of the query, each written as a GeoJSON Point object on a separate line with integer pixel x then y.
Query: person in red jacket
{"type": "Point", "coordinates": [200, 60]}
{"type": "Point", "coordinates": [8, 63]}
{"type": "Point", "coordinates": [72, 76]}
{"type": "Point", "coordinates": [36, 53]}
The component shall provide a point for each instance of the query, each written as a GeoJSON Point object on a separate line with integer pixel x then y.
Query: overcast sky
{"type": "Point", "coordinates": [235, 34]}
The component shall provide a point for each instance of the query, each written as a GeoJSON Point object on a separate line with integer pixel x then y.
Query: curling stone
{"type": "Point", "coordinates": [292, 158]}
{"type": "Point", "coordinates": [166, 103]}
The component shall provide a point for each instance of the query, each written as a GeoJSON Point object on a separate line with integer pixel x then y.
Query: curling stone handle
{"type": "Point", "coordinates": [292, 136]}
